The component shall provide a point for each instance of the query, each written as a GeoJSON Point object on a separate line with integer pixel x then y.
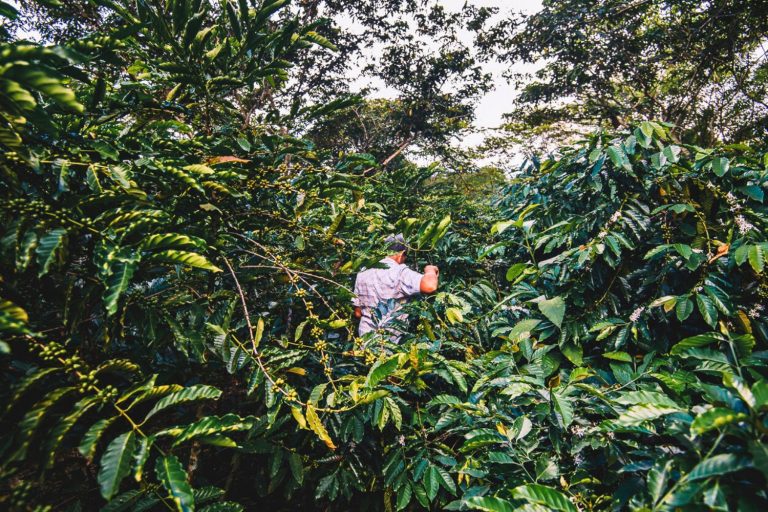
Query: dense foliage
{"type": "Point", "coordinates": [176, 270]}
{"type": "Point", "coordinates": [700, 65]}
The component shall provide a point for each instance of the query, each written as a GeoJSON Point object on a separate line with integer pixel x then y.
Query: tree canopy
{"type": "Point", "coordinates": [698, 65]}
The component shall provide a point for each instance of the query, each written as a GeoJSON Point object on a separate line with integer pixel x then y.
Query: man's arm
{"type": "Point", "coordinates": [356, 300]}
{"type": "Point", "coordinates": [430, 280]}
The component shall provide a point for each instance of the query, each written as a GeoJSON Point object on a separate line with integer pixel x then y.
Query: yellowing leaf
{"type": "Point", "coordinates": [317, 427]}
{"type": "Point", "coordinates": [259, 332]}
{"type": "Point", "coordinates": [299, 417]}
{"type": "Point", "coordinates": [454, 315]}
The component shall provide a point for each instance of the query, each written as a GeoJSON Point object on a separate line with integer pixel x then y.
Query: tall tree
{"type": "Point", "coordinates": [423, 53]}
{"type": "Point", "coordinates": [701, 65]}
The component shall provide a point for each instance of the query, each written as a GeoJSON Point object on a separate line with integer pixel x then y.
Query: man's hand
{"type": "Point", "coordinates": [429, 281]}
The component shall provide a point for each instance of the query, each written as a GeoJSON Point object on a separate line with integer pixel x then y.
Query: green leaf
{"type": "Point", "coordinates": [515, 271]}
{"type": "Point", "coordinates": [744, 343]}
{"type": "Point", "coordinates": [32, 419]}
{"type": "Point", "coordinates": [638, 414]}
{"type": "Point", "coordinates": [489, 504]}
{"type": "Point", "coordinates": [683, 309]}
{"type": "Point", "coordinates": [672, 153]}
{"type": "Point", "coordinates": [715, 418]}
{"type": "Point", "coordinates": [720, 166]}
{"type": "Point", "coordinates": [117, 283]}
{"type": "Point", "coordinates": [738, 383]}
{"type": "Point", "coordinates": [647, 129]}
{"type": "Point", "coordinates": [719, 299]}
{"type": "Point", "coordinates": [173, 477]}
{"type": "Point", "coordinates": [404, 496]}
{"type": "Point", "coordinates": [259, 332]}
{"type": "Point", "coordinates": [646, 397]}
{"type": "Point", "coordinates": [445, 480]}
{"type": "Point", "coordinates": [617, 156]}
{"type": "Point", "coordinates": [658, 476]}
{"type": "Point", "coordinates": [718, 465]}
{"type": "Point", "coordinates": [171, 241]}
{"type": "Point", "coordinates": [244, 144]}
{"type": "Point", "coordinates": [564, 410]}
{"type": "Point", "coordinates": [212, 425]}
{"type": "Point", "coordinates": [544, 495]}
{"type": "Point", "coordinates": [431, 481]}
{"type": "Point", "coordinates": [740, 255]}
{"type": "Point", "coordinates": [141, 456]}
{"type": "Point", "coordinates": [48, 247]}
{"type": "Point", "coordinates": [707, 309]}
{"type": "Point", "coordinates": [501, 226]}
{"type": "Point", "coordinates": [320, 40]}
{"type": "Point", "coordinates": [522, 329]}
{"type": "Point", "coordinates": [553, 309]}
{"type": "Point", "coordinates": [760, 392]}
{"type": "Point", "coordinates": [516, 389]}
{"type": "Point", "coordinates": [106, 150]}
{"type": "Point", "coordinates": [618, 356]}
{"type": "Point", "coordinates": [380, 370]}
{"type": "Point", "coordinates": [756, 258]}
{"type": "Point", "coordinates": [296, 466]}
{"type": "Point", "coordinates": [700, 340]}
{"type": "Point", "coordinates": [126, 501]}
{"type": "Point", "coordinates": [481, 440]}
{"type": "Point", "coordinates": [190, 259]}
{"type": "Point", "coordinates": [268, 8]}
{"type": "Point", "coordinates": [8, 11]}
{"type": "Point", "coordinates": [115, 464]}
{"type": "Point", "coordinates": [192, 393]}
{"type": "Point", "coordinates": [56, 436]}
{"type": "Point", "coordinates": [91, 438]}
{"type": "Point", "coordinates": [759, 453]}
{"type": "Point", "coordinates": [13, 320]}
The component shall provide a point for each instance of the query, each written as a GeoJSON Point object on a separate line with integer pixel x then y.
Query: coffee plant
{"type": "Point", "coordinates": [177, 262]}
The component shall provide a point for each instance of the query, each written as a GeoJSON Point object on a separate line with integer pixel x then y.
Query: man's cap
{"type": "Point", "coordinates": [396, 243]}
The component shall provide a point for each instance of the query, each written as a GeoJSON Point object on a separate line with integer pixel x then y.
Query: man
{"type": "Point", "coordinates": [396, 281]}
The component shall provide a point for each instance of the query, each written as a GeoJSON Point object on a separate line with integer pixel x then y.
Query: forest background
{"type": "Point", "coordinates": [188, 188]}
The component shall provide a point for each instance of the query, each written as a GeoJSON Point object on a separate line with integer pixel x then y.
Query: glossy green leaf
{"type": "Point", "coordinates": [718, 465]}
{"type": "Point", "coordinates": [115, 464]}
{"type": "Point", "coordinates": [117, 284]}
{"type": "Point", "coordinates": [192, 393]}
{"type": "Point", "coordinates": [187, 258]}
{"type": "Point", "coordinates": [543, 495]}
{"type": "Point", "coordinates": [380, 370]}
{"type": "Point", "coordinates": [171, 474]}
{"type": "Point", "coordinates": [48, 248]}
{"type": "Point", "coordinates": [489, 504]}
{"type": "Point", "coordinates": [707, 309]}
{"type": "Point", "coordinates": [700, 340]}
{"type": "Point", "coordinates": [553, 309]}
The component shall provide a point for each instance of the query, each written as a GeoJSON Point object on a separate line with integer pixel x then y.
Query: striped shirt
{"type": "Point", "coordinates": [378, 285]}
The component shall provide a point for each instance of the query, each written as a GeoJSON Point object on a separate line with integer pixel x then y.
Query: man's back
{"type": "Point", "coordinates": [378, 285]}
